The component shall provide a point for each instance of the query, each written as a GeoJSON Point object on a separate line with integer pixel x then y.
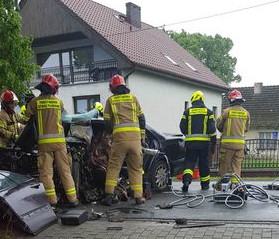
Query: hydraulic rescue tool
{"type": "Point", "coordinates": [226, 191]}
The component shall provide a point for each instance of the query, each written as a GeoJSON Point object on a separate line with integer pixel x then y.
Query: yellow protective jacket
{"type": "Point", "coordinates": [9, 127]}
{"type": "Point", "coordinates": [126, 116]}
{"type": "Point", "coordinates": [47, 111]}
{"type": "Point", "coordinates": [233, 123]}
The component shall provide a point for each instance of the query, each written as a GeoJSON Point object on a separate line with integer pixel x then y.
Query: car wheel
{"type": "Point", "coordinates": [159, 176]}
{"type": "Point", "coordinates": [76, 175]}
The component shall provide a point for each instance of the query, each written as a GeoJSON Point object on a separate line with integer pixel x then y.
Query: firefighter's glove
{"type": "Point", "coordinates": [142, 135]}
{"type": "Point", "coordinates": [143, 144]}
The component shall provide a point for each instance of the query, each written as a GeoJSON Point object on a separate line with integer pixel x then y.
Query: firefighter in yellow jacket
{"type": "Point", "coordinates": [233, 124]}
{"type": "Point", "coordinates": [123, 115]}
{"type": "Point", "coordinates": [47, 109]}
{"type": "Point", "coordinates": [9, 119]}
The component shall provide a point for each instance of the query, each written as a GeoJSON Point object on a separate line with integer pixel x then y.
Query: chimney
{"type": "Point", "coordinates": [133, 14]}
{"type": "Point", "coordinates": [258, 88]}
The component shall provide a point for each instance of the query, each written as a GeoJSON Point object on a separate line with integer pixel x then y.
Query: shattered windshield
{"type": "Point", "coordinates": [10, 180]}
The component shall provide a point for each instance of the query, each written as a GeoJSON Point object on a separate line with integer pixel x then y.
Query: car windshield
{"type": "Point", "coordinates": [10, 180]}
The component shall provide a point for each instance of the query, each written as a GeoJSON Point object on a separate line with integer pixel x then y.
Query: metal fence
{"type": "Point", "coordinates": [98, 71]}
{"type": "Point", "coordinates": [260, 154]}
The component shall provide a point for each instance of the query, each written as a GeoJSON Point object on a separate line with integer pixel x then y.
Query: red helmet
{"type": "Point", "coordinates": [52, 81]}
{"type": "Point", "coordinates": [235, 95]}
{"type": "Point", "coordinates": [8, 96]}
{"type": "Point", "coordinates": [116, 80]}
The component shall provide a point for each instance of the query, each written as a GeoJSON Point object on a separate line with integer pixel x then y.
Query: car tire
{"type": "Point", "coordinates": [159, 176]}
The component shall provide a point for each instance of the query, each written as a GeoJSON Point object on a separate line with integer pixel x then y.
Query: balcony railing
{"type": "Point", "coordinates": [99, 71]}
{"type": "Point", "coordinates": [260, 153]}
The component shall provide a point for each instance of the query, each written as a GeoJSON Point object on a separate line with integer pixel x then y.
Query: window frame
{"type": "Point", "coordinates": [85, 97]}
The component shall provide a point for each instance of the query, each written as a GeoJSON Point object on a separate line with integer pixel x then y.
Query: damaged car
{"type": "Point", "coordinates": [89, 146]}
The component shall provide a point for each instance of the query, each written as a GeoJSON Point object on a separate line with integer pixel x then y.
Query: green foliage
{"type": "Point", "coordinates": [16, 69]}
{"type": "Point", "coordinates": [211, 51]}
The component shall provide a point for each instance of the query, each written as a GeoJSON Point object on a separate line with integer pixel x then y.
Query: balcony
{"type": "Point", "coordinates": [99, 71]}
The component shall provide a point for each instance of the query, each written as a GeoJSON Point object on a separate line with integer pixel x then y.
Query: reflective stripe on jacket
{"type": "Point", "coordinates": [233, 123]}
{"type": "Point", "coordinates": [198, 124]}
{"type": "Point", "coordinates": [123, 111]}
{"type": "Point", "coordinates": [47, 110]}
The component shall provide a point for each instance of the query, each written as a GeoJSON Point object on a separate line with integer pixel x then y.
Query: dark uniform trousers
{"type": "Point", "coordinates": [193, 156]}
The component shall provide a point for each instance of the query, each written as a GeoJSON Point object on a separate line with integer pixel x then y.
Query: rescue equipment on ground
{"type": "Point", "coordinates": [230, 190]}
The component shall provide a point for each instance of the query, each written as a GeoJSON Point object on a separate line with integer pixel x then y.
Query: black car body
{"type": "Point", "coordinates": [172, 145]}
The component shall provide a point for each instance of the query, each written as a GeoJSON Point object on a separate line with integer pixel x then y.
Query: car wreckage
{"type": "Point", "coordinates": [89, 146]}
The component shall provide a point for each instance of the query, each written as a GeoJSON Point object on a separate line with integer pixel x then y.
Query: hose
{"type": "Point", "coordinates": [250, 190]}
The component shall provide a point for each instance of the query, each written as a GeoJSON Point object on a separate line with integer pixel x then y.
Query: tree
{"type": "Point", "coordinates": [16, 69]}
{"type": "Point", "coordinates": [211, 51]}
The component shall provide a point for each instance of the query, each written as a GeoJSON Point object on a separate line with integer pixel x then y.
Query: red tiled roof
{"type": "Point", "coordinates": [145, 47]}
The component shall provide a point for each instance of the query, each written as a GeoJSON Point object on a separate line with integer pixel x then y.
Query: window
{"type": "Point", "coordinates": [190, 66]}
{"type": "Point", "coordinates": [82, 57]}
{"type": "Point", "coordinates": [171, 60]}
{"type": "Point", "coordinates": [268, 140]}
{"type": "Point", "coordinates": [83, 104]}
{"type": "Point", "coordinates": [49, 60]}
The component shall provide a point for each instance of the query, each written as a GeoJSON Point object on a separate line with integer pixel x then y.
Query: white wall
{"type": "Point", "coordinates": [67, 92]}
{"type": "Point", "coordinates": [162, 99]}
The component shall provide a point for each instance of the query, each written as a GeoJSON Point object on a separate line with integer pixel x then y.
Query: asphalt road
{"type": "Point", "coordinates": [209, 220]}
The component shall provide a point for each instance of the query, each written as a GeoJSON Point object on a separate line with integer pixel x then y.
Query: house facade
{"type": "Point", "coordinates": [84, 43]}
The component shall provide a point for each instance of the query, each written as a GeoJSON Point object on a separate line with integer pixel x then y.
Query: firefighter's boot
{"type": "Point", "coordinates": [71, 204]}
{"type": "Point", "coordinates": [140, 200]}
{"type": "Point", "coordinates": [107, 201]}
{"type": "Point", "coordinates": [185, 186]}
{"type": "Point", "coordinates": [204, 186]}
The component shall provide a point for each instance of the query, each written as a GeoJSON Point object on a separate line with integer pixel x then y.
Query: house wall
{"type": "Point", "coordinates": [67, 93]}
{"type": "Point", "coordinates": [162, 99]}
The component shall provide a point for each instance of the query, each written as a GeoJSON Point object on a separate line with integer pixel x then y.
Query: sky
{"type": "Point", "coordinates": [253, 32]}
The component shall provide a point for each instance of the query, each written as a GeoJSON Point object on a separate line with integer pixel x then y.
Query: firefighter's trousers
{"type": "Point", "coordinates": [131, 152]}
{"type": "Point", "coordinates": [193, 156]}
{"type": "Point", "coordinates": [230, 161]}
{"type": "Point", "coordinates": [45, 166]}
